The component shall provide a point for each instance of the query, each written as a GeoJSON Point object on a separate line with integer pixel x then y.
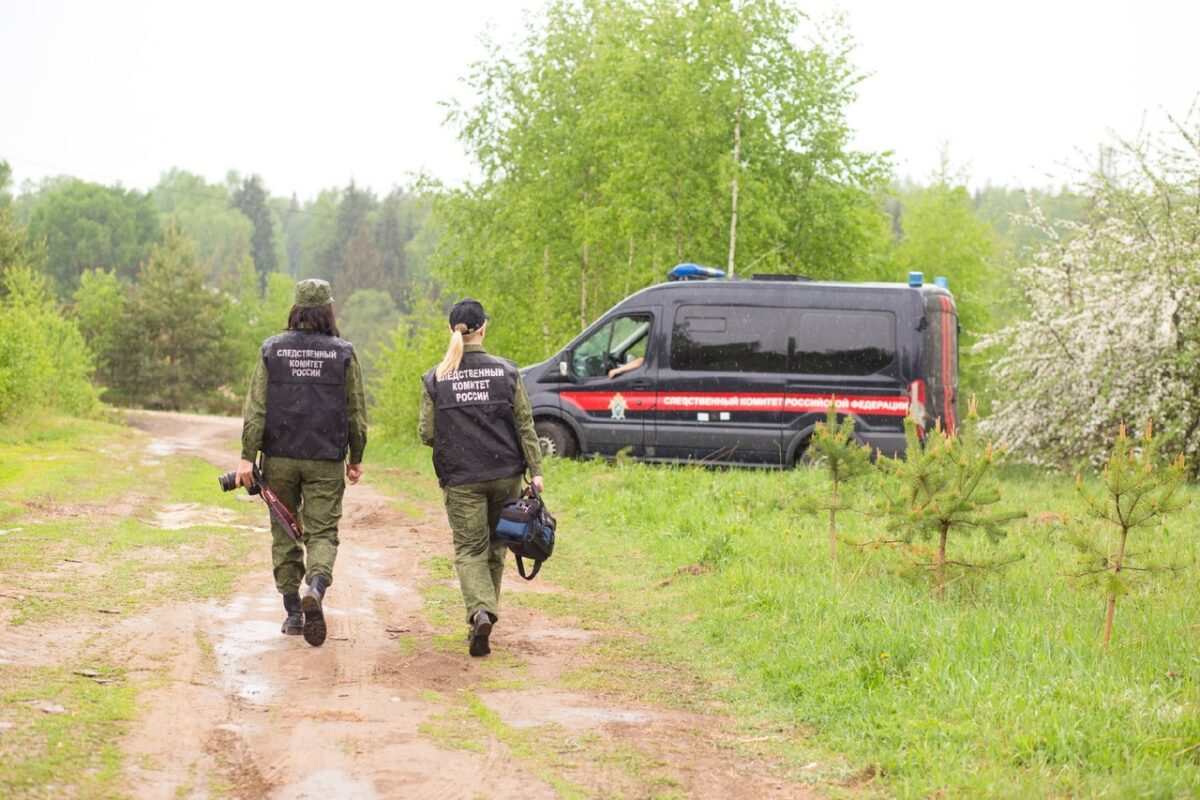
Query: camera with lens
{"type": "Point", "coordinates": [228, 481]}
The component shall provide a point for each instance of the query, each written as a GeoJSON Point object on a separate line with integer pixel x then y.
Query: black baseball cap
{"type": "Point", "coordinates": [469, 312]}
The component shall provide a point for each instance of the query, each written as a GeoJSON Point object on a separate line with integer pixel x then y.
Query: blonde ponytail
{"type": "Point", "coordinates": [454, 352]}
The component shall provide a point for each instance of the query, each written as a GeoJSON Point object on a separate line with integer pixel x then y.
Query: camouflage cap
{"type": "Point", "coordinates": [313, 292]}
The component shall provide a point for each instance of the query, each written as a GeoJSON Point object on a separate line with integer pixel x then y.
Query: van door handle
{"type": "Point", "coordinates": [640, 385]}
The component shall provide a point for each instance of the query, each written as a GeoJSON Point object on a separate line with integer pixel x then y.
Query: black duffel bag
{"type": "Point", "coordinates": [527, 528]}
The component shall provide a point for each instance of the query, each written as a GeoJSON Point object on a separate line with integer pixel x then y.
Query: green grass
{"type": "Point", "coordinates": [68, 754]}
{"type": "Point", "coordinates": [998, 690]}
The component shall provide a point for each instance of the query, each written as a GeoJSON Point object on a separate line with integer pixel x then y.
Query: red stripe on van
{"type": "Point", "coordinates": [881, 405]}
{"type": "Point", "coordinates": [948, 365]}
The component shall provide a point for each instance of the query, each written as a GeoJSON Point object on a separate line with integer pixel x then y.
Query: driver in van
{"type": "Point", "coordinates": [630, 367]}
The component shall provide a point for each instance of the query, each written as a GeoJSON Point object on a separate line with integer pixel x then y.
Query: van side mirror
{"type": "Point", "coordinates": [562, 368]}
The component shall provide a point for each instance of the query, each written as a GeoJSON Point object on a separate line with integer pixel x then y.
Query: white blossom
{"type": "Point", "coordinates": [1111, 330]}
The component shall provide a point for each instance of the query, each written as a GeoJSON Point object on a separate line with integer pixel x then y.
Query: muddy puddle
{"type": "Point", "coordinates": [574, 712]}
{"type": "Point", "coordinates": [192, 515]}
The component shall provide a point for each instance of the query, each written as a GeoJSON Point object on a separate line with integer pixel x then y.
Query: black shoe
{"type": "Point", "coordinates": [314, 616]}
{"type": "Point", "coordinates": [294, 624]}
{"type": "Point", "coordinates": [481, 628]}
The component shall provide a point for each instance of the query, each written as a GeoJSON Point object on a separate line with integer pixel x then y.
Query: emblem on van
{"type": "Point", "coordinates": [617, 406]}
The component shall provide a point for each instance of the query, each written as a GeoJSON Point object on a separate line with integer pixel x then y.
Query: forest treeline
{"type": "Point", "coordinates": [618, 140]}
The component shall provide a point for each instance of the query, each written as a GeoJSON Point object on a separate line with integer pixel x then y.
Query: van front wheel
{"type": "Point", "coordinates": [554, 438]}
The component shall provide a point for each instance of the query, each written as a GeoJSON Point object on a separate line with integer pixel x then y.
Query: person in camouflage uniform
{"type": "Point", "coordinates": [476, 416]}
{"type": "Point", "coordinates": [305, 412]}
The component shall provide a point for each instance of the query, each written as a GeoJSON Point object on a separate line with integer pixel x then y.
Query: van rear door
{"type": "Point", "coordinates": [940, 366]}
{"type": "Point", "coordinates": [720, 385]}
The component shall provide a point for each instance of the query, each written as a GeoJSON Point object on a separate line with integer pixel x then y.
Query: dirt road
{"type": "Point", "coordinates": [390, 706]}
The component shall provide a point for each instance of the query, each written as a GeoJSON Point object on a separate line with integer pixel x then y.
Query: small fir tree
{"type": "Point", "coordinates": [1135, 491]}
{"type": "Point", "coordinates": [944, 484]}
{"type": "Point", "coordinates": [834, 448]}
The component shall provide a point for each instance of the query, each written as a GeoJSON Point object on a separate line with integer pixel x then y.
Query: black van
{"type": "Point", "coordinates": [739, 371]}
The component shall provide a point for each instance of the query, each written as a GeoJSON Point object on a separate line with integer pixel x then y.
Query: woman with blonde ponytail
{"type": "Point", "coordinates": [454, 352]}
{"type": "Point", "coordinates": [476, 416]}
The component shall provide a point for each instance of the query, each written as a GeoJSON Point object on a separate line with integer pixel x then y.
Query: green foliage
{"type": "Point", "coordinates": [15, 248]}
{"type": "Point", "coordinates": [368, 319]}
{"type": "Point", "coordinates": [250, 316]}
{"type": "Point", "coordinates": [251, 199]}
{"type": "Point", "coordinates": [173, 350]}
{"type": "Point", "coordinates": [101, 311]}
{"type": "Point", "coordinates": [5, 180]}
{"type": "Point", "coordinates": [1136, 491]}
{"type": "Point", "coordinates": [357, 242]}
{"type": "Point", "coordinates": [945, 483]}
{"type": "Point", "coordinates": [834, 449]}
{"type": "Point", "coordinates": [418, 343]}
{"type": "Point", "coordinates": [202, 212]}
{"type": "Point", "coordinates": [44, 363]}
{"type": "Point", "coordinates": [88, 226]}
{"type": "Point", "coordinates": [610, 147]}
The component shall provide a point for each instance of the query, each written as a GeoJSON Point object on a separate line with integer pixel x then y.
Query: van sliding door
{"type": "Point", "coordinates": [849, 355]}
{"type": "Point", "coordinates": [720, 388]}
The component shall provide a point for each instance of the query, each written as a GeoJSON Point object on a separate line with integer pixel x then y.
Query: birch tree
{"type": "Point", "coordinates": [625, 137]}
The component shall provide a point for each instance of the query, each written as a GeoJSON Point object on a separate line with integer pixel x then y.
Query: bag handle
{"type": "Point", "coordinates": [533, 492]}
{"type": "Point", "coordinates": [537, 565]}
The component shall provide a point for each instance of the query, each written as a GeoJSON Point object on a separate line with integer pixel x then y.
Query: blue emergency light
{"type": "Point", "coordinates": [693, 272]}
{"type": "Point", "coordinates": [915, 279]}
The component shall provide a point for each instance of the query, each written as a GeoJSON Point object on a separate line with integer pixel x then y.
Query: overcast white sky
{"type": "Point", "coordinates": [312, 95]}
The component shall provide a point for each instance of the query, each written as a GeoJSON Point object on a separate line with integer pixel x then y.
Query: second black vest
{"type": "Point", "coordinates": [306, 395]}
{"type": "Point", "coordinates": [475, 433]}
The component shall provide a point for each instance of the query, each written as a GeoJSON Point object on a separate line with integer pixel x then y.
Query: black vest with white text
{"type": "Point", "coordinates": [475, 433]}
{"type": "Point", "coordinates": [306, 395]}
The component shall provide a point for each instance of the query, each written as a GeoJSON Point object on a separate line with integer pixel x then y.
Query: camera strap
{"type": "Point", "coordinates": [279, 512]}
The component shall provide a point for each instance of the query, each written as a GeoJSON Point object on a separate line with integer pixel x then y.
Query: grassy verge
{"type": "Point", "coordinates": [999, 690]}
{"type": "Point", "coordinates": [57, 734]}
{"type": "Point", "coordinates": [81, 532]}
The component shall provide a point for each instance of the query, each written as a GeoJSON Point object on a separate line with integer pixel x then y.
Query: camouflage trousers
{"type": "Point", "coordinates": [312, 490]}
{"type": "Point", "coordinates": [473, 510]}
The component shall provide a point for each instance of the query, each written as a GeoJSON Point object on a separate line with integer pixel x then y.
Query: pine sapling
{"type": "Point", "coordinates": [944, 484]}
{"type": "Point", "coordinates": [834, 448]}
{"type": "Point", "coordinates": [1135, 491]}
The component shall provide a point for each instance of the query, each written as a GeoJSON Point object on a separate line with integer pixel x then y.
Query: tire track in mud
{"type": "Point", "coordinates": [228, 705]}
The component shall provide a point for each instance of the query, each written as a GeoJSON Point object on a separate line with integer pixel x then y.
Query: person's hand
{"type": "Point", "coordinates": [536, 480]}
{"type": "Point", "coordinates": [612, 373]}
{"type": "Point", "coordinates": [245, 473]}
{"type": "Point", "coordinates": [354, 472]}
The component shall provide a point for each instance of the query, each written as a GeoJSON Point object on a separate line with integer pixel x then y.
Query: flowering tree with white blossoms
{"type": "Point", "coordinates": [1111, 330]}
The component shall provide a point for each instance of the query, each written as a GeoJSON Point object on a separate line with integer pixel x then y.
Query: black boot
{"type": "Point", "coordinates": [294, 624]}
{"type": "Point", "coordinates": [314, 617]}
{"type": "Point", "coordinates": [481, 628]}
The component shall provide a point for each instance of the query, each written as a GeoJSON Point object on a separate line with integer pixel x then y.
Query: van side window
{"type": "Point", "coordinates": [842, 342]}
{"type": "Point", "coordinates": [617, 342]}
{"type": "Point", "coordinates": [729, 339]}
